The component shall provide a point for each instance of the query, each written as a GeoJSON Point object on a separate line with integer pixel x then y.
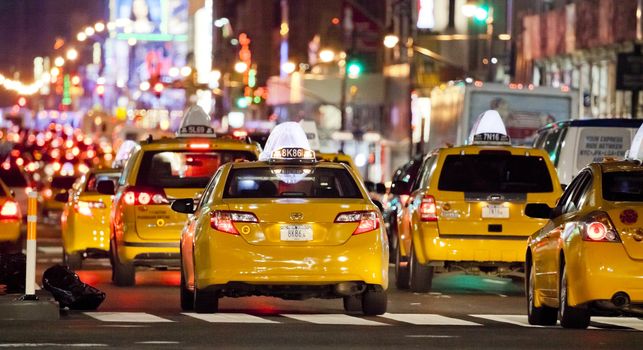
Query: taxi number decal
{"type": "Point", "coordinates": [296, 233]}
{"type": "Point", "coordinates": [292, 152]}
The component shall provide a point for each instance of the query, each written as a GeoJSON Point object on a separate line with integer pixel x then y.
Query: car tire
{"type": "Point", "coordinates": [401, 272]}
{"type": "Point", "coordinates": [205, 302]}
{"type": "Point", "coordinates": [420, 276]}
{"type": "Point", "coordinates": [73, 260]}
{"type": "Point", "coordinates": [374, 302]}
{"type": "Point", "coordinates": [353, 303]}
{"type": "Point", "coordinates": [123, 274]}
{"type": "Point", "coordinates": [540, 316]}
{"type": "Point", "coordinates": [570, 316]}
{"type": "Point", "coordinates": [187, 296]}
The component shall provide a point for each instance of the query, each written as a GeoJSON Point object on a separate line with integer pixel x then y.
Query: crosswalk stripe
{"type": "Point", "coordinates": [136, 317]}
{"type": "Point", "coordinates": [518, 320]}
{"type": "Point", "coordinates": [629, 322]}
{"type": "Point", "coordinates": [228, 318]}
{"type": "Point", "coordinates": [429, 319]}
{"type": "Point", "coordinates": [50, 250]}
{"type": "Point", "coordinates": [333, 319]}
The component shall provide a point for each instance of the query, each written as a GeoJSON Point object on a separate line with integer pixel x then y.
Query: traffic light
{"type": "Point", "coordinates": [354, 69]}
{"type": "Point", "coordinates": [481, 14]}
{"type": "Point", "coordinates": [242, 102]}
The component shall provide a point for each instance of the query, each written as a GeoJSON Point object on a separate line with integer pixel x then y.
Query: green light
{"type": "Point", "coordinates": [481, 14]}
{"type": "Point", "coordinates": [257, 99]}
{"type": "Point", "coordinates": [354, 69]}
{"type": "Point", "coordinates": [242, 102]}
{"type": "Point", "coordinates": [66, 100]}
{"type": "Point", "coordinates": [252, 77]}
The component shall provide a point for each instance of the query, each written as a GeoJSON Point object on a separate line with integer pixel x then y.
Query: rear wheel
{"type": "Point", "coordinates": [73, 260]}
{"type": "Point", "coordinates": [205, 302]}
{"type": "Point", "coordinates": [187, 296]}
{"type": "Point", "coordinates": [123, 274]}
{"type": "Point", "coordinates": [570, 316]}
{"type": "Point", "coordinates": [401, 268]}
{"type": "Point", "coordinates": [374, 302]}
{"type": "Point", "coordinates": [543, 315]}
{"type": "Point", "coordinates": [353, 303]}
{"type": "Point", "coordinates": [392, 234]}
{"type": "Point", "coordinates": [421, 276]}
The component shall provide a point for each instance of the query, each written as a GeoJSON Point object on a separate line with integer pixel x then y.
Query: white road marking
{"type": "Point", "coordinates": [38, 345]}
{"type": "Point", "coordinates": [429, 320]}
{"type": "Point", "coordinates": [630, 322]}
{"type": "Point", "coordinates": [138, 317]}
{"type": "Point", "coordinates": [518, 320]}
{"type": "Point", "coordinates": [334, 319]}
{"type": "Point", "coordinates": [158, 342]}
{"type": "Point", "coordinates": [228, 318]}
{"type": "Point", "coordinates": [50, 250]}
{"type": "Point", "coordinates": [431, 336]}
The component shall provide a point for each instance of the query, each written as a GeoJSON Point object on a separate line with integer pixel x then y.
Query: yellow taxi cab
{"type": "Point", "coordinates": [144, 230]}
{"type": "Point", "coordinates": [10, 216]}
{"type": "Point", "coordinates": [58, 184]}
{"type": "Point", "coordinates": [85, 218]}
{"type": "Point", "coordinates": [285, 226]}
{"type": "Point", "coordinates": [338, 158]}
{"type": "Point", "coordinates": [588, 259]}
{"type": "Point", "coordinates": [466, 209]}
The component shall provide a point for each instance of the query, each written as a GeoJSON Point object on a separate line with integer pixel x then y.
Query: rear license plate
{"type": "Point", "coordinates": [495, 212]}
{"type": "Point", "coordinates": [296, 232]}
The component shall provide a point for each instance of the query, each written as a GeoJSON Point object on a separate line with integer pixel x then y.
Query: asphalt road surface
{"type": "Point", "coordinates": [463, 312]}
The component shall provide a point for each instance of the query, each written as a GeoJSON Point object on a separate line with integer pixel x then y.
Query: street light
{"type": "Point", "coordinates": [240, 67]}
{"type": "Point", "coordinates": [81, 36]}
{"type": "Point", "coordinates": [391, 40]}
{"type": "Point", "coordinates": [59, 61]}
{"type": "Point", "coordinates": [327, 55]}
{"type": "Point", "coordinates": [72, 54]}
{"type": "Point", "coordinates": [89, 31]}
{"type": "Point", "coordinates": [289, 67]}
{"type": "Point", "coordinates": [99, 27]}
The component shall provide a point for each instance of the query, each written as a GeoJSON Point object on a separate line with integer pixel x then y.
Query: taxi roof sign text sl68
{"type": "Point", "coordinates": [195, 123]}
{"type": "Point", "coordinates": [489, 129]}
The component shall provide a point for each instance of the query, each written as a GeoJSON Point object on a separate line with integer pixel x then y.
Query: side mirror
{"type": "Point", "coordinates": [380, 188]}
{"type": "Point", "coordinates": [539, 211]}
{"type": "Point", "coordinates": [62, 197]}
{"type": "Point", "coordinates": [184, 205]}
{"type": "Point", "coordinates": [106, 187]}
{"type": "Point", "coordinates": [400, 188]}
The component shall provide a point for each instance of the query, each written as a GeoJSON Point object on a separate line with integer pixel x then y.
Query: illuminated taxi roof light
{"type": "Point", "coordinates": [292, 153]}
{"type": "Point", "coordinates": [489, 129]}
{"type": "Point", "coordinates": [195, 123]}
{"type": "Point", "coordinates": [636, 150]}
{"type": "Point", "coordinates": [199, 146]}
{"type": "Point", "coordinates": [284, 137]}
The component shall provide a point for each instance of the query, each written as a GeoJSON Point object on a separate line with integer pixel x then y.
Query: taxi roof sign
{"type": "Point", "coordinates": [123, 154]}
{"type": "Point", "coordinates": [287, 141]}
{"type": "Point", "coordinates": [636, 149]}
{"type": "Point", "coordinates": [489, 129]}
{"type": "Point", "coordinates": [195, 123]}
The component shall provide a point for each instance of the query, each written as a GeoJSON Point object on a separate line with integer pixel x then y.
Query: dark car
{"type": "Point", "coordinates": [394, 200]}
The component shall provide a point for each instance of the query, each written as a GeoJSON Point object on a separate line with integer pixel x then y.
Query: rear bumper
{"type": "Point", "coordinates": [222, 258]}
{"type": "Point", "coordinates": [82, 233]}
{"type": "Point", "coordinates": [431, 246]}
{"type": "Point", "coordinates": [10, 230]}
{"type": "Point", "coordinates": [601, 270]}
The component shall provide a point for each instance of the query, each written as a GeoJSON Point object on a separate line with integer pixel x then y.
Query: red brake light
{"type": "Point", "coordinates": [199, 146]}
{"type": "Point", "coordinates": [428, 210]}
{"type": "Point", "coordinates": [9, 210]}
{"type": "Point", "coordinates": [48, 193]}
{"type": "Point", "coordinates": [368, 220]}
{"type": "Point", "coordinates": [224, 220]}
{"type": "Point", "coordinates": [144, 196]}
{"type": "Point", "coordinates": [599, 228]}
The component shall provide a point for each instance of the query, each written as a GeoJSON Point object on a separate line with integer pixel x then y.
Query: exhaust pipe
{"type": "Point", "coordinates": [349, 288]}
{"type": "Point", "coordinates": [621, 300]}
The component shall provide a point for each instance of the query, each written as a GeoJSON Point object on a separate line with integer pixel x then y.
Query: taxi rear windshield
{"type": "Point", "coordinates": [623, 186]}
{"type": "Point", "coordinates": [63, 182]}
{"type": "Point", "coordinates": [94, 179]}
{"type": "Point", "coordinates": [291, 182]}
{"type": "Point", "coordinates": [184, 169]}
{"type": "Point", "coordinates": [495, 173]}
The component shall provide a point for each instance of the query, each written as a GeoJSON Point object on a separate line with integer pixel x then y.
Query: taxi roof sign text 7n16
{"type": "Point", "coordinates": [489, 129]}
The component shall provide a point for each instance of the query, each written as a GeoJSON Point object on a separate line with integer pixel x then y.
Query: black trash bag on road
{"type": "Point", "coordinates": [12, 272]}
{"type": "Point", "coordinates": [69, 291]}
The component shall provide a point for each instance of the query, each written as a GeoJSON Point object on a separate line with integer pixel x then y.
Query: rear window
{"type": "Point", "coordinates": [13, 177]}
{"type": "Point", "coordinates": [495, 173]}
{"type": "Point", "coordinates": [291, 182]}
{"type": "Point", "coordinates": [595, 144]}
{"type": "Point", "coordinates": [623, 186]}
{"type": "Point", "coordinates": [63, 182]}
{"type": "Point", "coordinates": [94, 179]}
{"type": "Point", "coordinates": [183, 169]}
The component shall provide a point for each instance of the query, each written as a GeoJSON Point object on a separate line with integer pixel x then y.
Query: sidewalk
{"type": "Point", "coordinates": [43, 309]}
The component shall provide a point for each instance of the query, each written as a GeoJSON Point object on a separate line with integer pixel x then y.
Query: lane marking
{"type": "Point", "coordinates": [138, 317]}
{"type": "Point", "coordinates": [158, 342]}
{"type": "Point", "coordinates": [50, 250]}
{"type": "Point", "coordinates": [518, 320]}
{"type": "Point", "coordinates": [228, 318]}
{"type": "Point", "coordinates": [629, 322]}
{"type": "Point", "coordinates": [38, 345]}
{"type": "Point", "coordinates": [334, 319]}
{"type": "Point", "coordinates": [431, 336]}
{"type": "Point", "coordinates": [429, 319]}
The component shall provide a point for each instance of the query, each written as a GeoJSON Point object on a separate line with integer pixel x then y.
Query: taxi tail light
{"type": "Point", "coordinates": [428, 209]}
{"type": "Point", "coordinates": [223, 220]}
{"type": "Point", "coordinates": [199, 146]}
{"type": "Point", "coordinates": [598, 227]}
{"type": "Point", "coordinates": [9, 210]}
{"type": "Point", "coordinates": [48, 193]}
{"type": "Point", "coordinates": [85, 207]}
{"type": "Point", "coordinates": [368, 220]}
{"type": "Point", "coordinates": [144, 196]}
